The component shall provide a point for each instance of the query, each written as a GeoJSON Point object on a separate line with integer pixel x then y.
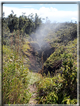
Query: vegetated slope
{"type": "Point", "coordinates": [54, 62]}
{"type": "Point", "coordinates": [53, 49]}
{"type": "Point", "coordinates": [62, 88]}
{"type": "Point", "coordinates": [60, 59]}
{"type": "Point", "coordinates": [17, 78]}
{"type": "Point", "coordinates": [15, 81]}
{"type": "Point", "coordinates": [62, 33]}
{"type": "Point", "coordinates": [62, 64]}
{"type": "Point", "coordinates": [59, 43]}
{"type": "Point", "coordinates": [46, 40]}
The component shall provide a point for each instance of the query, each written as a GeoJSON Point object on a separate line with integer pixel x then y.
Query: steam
{"type": "Point", "coordinates": [43, 32]}
{"type": "Point", "coordinates": [41, 45]}
{"type": "Point", "coordinates": [40, 41]}
{"type": "Point", "coordinates": [40, 35]}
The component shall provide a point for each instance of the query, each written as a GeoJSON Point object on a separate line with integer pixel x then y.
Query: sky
{"type": "Point", "coordinates": [54, 12]}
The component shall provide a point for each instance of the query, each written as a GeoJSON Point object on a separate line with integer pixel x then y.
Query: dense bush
{"type": "Point", "coordinates": [54, 61]}
{"type": "Point", "coordinates": [60, 89]}
{"type": "Point", "coordinates": [69, 87]}
{"type": "Point", "coordinates": [60, 66]}
{"type": "Point", "coordinates": [15, 81]}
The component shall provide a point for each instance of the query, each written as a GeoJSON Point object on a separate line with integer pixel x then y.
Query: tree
{"type": "Point", "coordinates": [13, 22]}
{"type": "Point", "coordinates": [37, 21]}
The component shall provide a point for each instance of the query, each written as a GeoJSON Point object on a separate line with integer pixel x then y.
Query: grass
{"type": "Point", "coordinates": [34, 77]}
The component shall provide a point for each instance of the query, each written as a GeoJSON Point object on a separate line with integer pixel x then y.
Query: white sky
{"type": "Point", "coordinates": [54, 12]}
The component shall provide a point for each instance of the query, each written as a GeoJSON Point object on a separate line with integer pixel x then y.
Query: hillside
{"type": "Point", "coordinates": [41, 56]}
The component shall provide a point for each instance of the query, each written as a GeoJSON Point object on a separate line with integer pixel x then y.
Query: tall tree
{"type": "Point", "coordinates": [13, 22]}
{"type": "Point", "coordinates": [37, 21]}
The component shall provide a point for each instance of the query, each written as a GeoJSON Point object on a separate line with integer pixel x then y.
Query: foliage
{"type": "Point", "coordinates": [70, 76]}
{"type": "Point", "coordinates": [34, 77]}
{"type": "Point", "coordinates": [48, 89]}
{"type": "Point", "coordinates": [27, 24]}
{"type": "Point", "coordinates": [61, 33]}
{"type": "Point", "coordinates": [60, 84]}
{"type": "Point", "coordinates": [12, 22]}
{"type": "Point", "coordinates": [15, 81]}
{"type": "Point", "coordinates": [60, 89]}
{"type": "Point", "coordinates": [54, 57]}
{"type": "Point", "coordinates": [53, 62]}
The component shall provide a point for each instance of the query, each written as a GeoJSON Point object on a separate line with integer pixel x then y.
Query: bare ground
{"type": "Point", "coordinates": [33, 90]}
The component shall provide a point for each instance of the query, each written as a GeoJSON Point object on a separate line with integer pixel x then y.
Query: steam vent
{"type": "Point", "coordinates": [39, 47]}
{"type": "Point", "coordinates": [39, 55]}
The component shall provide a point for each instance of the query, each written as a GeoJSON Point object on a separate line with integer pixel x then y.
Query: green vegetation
{"type": "Point", "coordinates": [70, 48]}
{"type": "Point", "coordinates": [15, 81]}
{"type": "Point", "coordinates": [34, 77]}
{"type": "Point", "coordinates": [60, 89]}
{"type": "Point", "coordinates": [56, 81]}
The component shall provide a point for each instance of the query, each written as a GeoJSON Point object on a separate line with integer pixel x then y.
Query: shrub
{"type": "Point", "coordinates": [15, 81]}
{"type": "Point", "coordinates": [69, 75]}
{"type": "Point", "coordinates": [60, 89]}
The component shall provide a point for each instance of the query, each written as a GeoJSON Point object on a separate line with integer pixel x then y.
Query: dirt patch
{"type": "Point", "coordinates": [33, 90]}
